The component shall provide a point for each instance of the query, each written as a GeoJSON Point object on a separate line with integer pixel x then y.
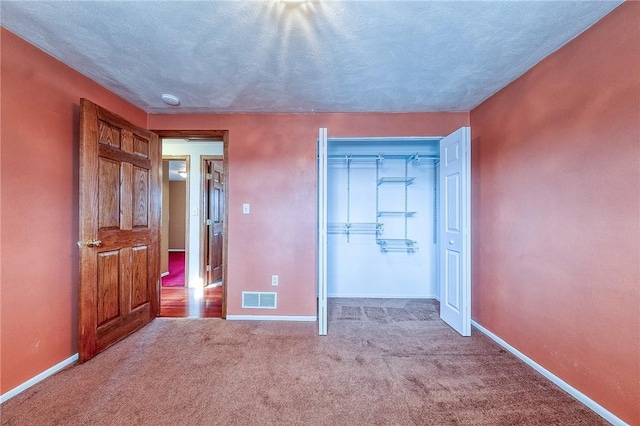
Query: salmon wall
{"type": "Point", "coordinates": [272, 166]}
{"type": "Point", "coordinates": [556, 213]}
{"type": "Point", "coordinates": [39, 184]}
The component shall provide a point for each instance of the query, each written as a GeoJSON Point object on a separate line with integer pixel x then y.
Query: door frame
{"type": "Point", "coordinates": [321, 228]}
{"type": "Point", "coordinates": [321, 232]}
{"type": "Point", "coordinates": [187, 216]}
{"type": "Point", "coordinates": [196, 135]}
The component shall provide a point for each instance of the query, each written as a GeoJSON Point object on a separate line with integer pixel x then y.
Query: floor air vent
{"type": "Point", "coordinates": [256, 299]}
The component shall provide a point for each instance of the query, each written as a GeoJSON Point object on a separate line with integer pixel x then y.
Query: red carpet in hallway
{"type": "Point", "coordinates": [176, 270]}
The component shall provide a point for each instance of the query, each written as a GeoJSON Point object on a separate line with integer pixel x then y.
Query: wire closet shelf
{"type": "Point", "coordinates": [348, 227]}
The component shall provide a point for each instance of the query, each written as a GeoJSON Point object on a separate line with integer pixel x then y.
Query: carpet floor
{"type": "Point", "coordinates": [176, 270]}
{"type": "Point", "coordinates": [384, 362]}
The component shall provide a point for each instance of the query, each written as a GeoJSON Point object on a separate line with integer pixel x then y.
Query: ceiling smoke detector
{"type": "Point", "coordinates": [170, 99]}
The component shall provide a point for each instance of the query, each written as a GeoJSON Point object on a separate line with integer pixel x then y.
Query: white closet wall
{"type": "Point", "coordinates": [358, 264]}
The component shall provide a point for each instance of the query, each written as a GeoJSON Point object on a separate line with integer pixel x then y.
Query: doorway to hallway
{"type": "Point", "coordinates": [204, 290]}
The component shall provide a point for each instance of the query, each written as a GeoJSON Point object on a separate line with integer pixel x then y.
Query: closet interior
{"type": "Point", "coordinates": [382, 212]}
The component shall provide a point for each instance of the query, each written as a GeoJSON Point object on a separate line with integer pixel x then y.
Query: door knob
{"type": "Point", "coordinates": [89, 243]}
{"type": "Point", "coordinates": [451, 242]}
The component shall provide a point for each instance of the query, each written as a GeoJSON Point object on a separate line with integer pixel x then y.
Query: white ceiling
{"type": "Point", "coordinates": [302, 56]}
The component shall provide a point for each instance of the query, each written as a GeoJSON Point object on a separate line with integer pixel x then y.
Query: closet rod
{"type": "Point", "coordinates": [346, 157]}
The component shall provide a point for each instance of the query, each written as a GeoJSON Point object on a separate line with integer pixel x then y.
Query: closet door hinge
{"type": "Point", "coordinates": [208, 268]}
{"type": "Point", "coordinates": [208, 222]}
{"type": "Point", "coordinates": [209, 176]}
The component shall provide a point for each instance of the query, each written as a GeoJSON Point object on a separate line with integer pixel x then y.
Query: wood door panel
{"type": "Point", "coordinates": [125, 282]}
{"type": "Point", "coordinates": [121, 156]}
{"type": "Point", "coordinates": [140, 147]}
{"type": "Point", "coordinates": [113, 239]}
{"type": "Point", "coordinates": [109, 135]}
{"type": "Point", "coordinates": [109, 193]}
{"type": "Point", "coordinates": [113, 331]}
{"type": "Point", "coordinates": [139, 283]}
{"type": "Point", "coordinates": [140, 197]}
{"type": "Point", "coordinates": [120, 207]}
{"type": "Point", "coordinates": [126, 197]}
{"type": "Point", "coordinates": [108, 300]}
{"type": "Point", "coordinates": [217, 257]}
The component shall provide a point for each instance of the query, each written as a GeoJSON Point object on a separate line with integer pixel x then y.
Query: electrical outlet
{"type": "Point", "coordinates": [245, 208]}
{"type": "Point", "coordinates": [274, 280]}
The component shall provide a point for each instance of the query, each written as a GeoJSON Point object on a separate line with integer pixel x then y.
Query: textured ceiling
{"type": "Point", "coordinates": [302, 56]}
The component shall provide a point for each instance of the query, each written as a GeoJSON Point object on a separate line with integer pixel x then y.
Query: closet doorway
{"type": "Point", "coordinates": [394, 221]}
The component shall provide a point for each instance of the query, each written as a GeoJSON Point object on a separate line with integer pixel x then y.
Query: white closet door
{"type": "Point", "coordinates": [455, 227]}
{"type": "Point", "coordinates": [322, 232]}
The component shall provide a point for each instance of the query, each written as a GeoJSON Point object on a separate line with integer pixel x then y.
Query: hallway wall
{"type": "Point", "coordinates": [177, 214]}
{"type": "Point", "coordinates": [164, 233]}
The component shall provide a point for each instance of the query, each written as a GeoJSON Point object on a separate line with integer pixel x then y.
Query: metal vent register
{"type": "Point", "coordinates": [255, 299]}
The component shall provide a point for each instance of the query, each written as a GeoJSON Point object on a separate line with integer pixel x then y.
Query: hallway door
{"type": "Point", "coordinates": [119, 228]}
{"type": "Point", "coordinates": [214, 220]}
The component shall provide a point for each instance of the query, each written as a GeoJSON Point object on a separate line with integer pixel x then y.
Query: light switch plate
{"type": "Point", "coordinates": [245, 208]}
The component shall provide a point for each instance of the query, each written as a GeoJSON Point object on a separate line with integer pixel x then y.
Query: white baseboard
{"type": "Point", "coordinates": [40, 377]}
{"type": "Point", "coordinates": [310, 318]}
{"type": "Point", "coordinates": [590, 403]}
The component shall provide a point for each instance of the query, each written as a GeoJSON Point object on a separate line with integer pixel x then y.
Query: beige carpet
{"type": "Point", "coordinates": [385, 362]}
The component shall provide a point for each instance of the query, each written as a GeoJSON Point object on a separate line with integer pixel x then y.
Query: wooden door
{"type": "Point", "coordinates": [119, 228]}
{"type": "Point", "coordinates": [214, 221]}
{"type": "Point", "coordinates": [455, 233]}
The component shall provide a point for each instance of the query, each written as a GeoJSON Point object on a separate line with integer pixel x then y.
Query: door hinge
{"type": "Point", "coordinates": [208, 268]}
{"type": "Point", "coordinates": [208, 222]}
{"type": "Point", "coordinates": [209, 176]}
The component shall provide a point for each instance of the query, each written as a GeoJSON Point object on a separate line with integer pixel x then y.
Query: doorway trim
{"type": "Point", "coordinates": [187, 217]}
{"type": "Point", "coordinates": [193, 136]}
